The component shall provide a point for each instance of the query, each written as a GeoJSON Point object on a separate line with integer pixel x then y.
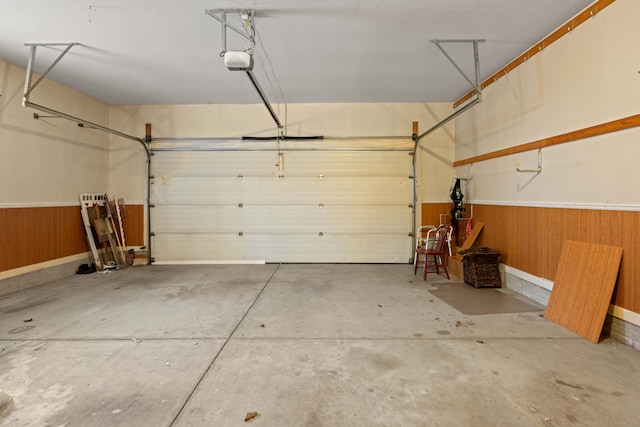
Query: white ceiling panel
{"type": "Point", "coordinates": [167, 51]}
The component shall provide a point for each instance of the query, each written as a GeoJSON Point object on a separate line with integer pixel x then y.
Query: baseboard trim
{"type": "Point", "coordinates": [614, 310]}
{"type": "Point", "coordinates": [624, 314]}
{"type": "Point", "coordinates": [538, 281]}
{"type": "Point", "coordinates": [42, 265]}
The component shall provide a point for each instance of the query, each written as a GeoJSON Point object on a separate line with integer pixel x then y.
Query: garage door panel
{"type": "Point", "coordinates": [231, 219]}
{"type": "Point", "coordinates": [358, 219]}
{"type": "Point", "coordinates": [221, 164]}
{"type": "Point", "coordinates": [250, 219]}
{"type": "Point", "coordinates": [272, 190]}
{"type": "Point", "coordinates": [196, 219]}
{"type": "Point", "coordinates": [370, 248]}
{"type": "Point", "coordinates": [196, 190]}
{"type": "Point", "coordinates": [296, 163]}
{"type": "Point", "coordinates": [347, 163]}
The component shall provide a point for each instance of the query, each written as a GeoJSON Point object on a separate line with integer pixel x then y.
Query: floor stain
{"type": "Point", "coordinates": [572, 419]}
{"type": "Point", "coordinates": [28, 305]}
{"type": "Point", "coordinates": [443, 332]}
{"type": "Point", "coordinates": [21, 329]}
{"type": "Point", "coordinates": [6, 405]}
{"type": "Point", "coordinates": [560, 382]}
{"type": "Point", "coordinates": [374, 361]}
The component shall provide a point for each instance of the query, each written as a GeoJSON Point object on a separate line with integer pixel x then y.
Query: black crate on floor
{"type": "Point", "coordinates": [481, 267]}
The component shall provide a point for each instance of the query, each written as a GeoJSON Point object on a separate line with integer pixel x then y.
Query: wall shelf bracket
{"type": "Point", "coordinates": [538, 170]}
{"type": "Point", "coordinates": [469, 175]}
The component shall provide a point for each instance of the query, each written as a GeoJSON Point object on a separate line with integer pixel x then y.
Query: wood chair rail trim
{"type": "Point", "coordinates": [600, 129]}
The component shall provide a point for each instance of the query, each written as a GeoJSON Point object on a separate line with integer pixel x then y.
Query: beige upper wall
{"type": "Point", "coordinates": [588, 77]}
{"type": "Point", "coordinates": [435, 157]}
{"type": "Point", "coordinates": [48, 161]}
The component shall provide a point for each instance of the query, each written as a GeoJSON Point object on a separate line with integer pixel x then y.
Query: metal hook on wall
{"type": "Point", "coordinates": [470, 175]}
{"type": "Point", "coordinates": [532, 170]}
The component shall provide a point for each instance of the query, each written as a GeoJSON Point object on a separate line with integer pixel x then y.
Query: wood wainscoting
{"type": "Point", "coordinates": [134, 225]}
{"type": "Point", "coordinates": [32, 235]}
{"type": "Point", "coordinates": [531, 238]}
{"type": "Point", "coordinates": [431, 212]}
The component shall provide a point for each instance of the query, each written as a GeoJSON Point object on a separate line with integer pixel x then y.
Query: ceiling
{"type": "Point", "coordinates": [307, 51]}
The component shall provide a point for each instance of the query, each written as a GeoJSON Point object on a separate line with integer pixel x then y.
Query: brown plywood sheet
{"type": "Point", "coordinates": [583, 286]}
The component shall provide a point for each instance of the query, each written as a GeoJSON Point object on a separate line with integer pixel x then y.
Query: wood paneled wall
{"type": "Point", "coordinates": [33, 235]}
{"type": "Point", "coordinates": [431, 212]}
{"type": "Point", "coordinates": [530, 239]}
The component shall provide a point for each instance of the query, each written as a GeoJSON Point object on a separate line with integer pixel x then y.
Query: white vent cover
{"type": "Point", "coordinates": [238, 61]}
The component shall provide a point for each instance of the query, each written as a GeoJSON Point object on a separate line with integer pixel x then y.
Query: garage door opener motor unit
{"type": "Point", "coordinates": [238, 61]}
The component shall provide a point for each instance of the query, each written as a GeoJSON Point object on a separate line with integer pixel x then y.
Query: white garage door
{"type": "Point", "coordinates": [338, 206]}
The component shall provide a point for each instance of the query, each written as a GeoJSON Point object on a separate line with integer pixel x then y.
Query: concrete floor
{"type": "Point", "coordinates": [302, 345]}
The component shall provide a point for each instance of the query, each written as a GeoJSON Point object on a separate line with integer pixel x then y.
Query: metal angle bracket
{"type": "Point", "coordinates": [476, 60]}
{"type": "Point", "coordinates": [476, 85]}
{"type": "Point", "coordinates": [28, 87]}
{"type": "Point", "coordinates": [247, 16]}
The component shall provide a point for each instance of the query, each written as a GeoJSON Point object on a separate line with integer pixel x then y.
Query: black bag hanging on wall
{"type": "Point", "coordinates": [456, 197]}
